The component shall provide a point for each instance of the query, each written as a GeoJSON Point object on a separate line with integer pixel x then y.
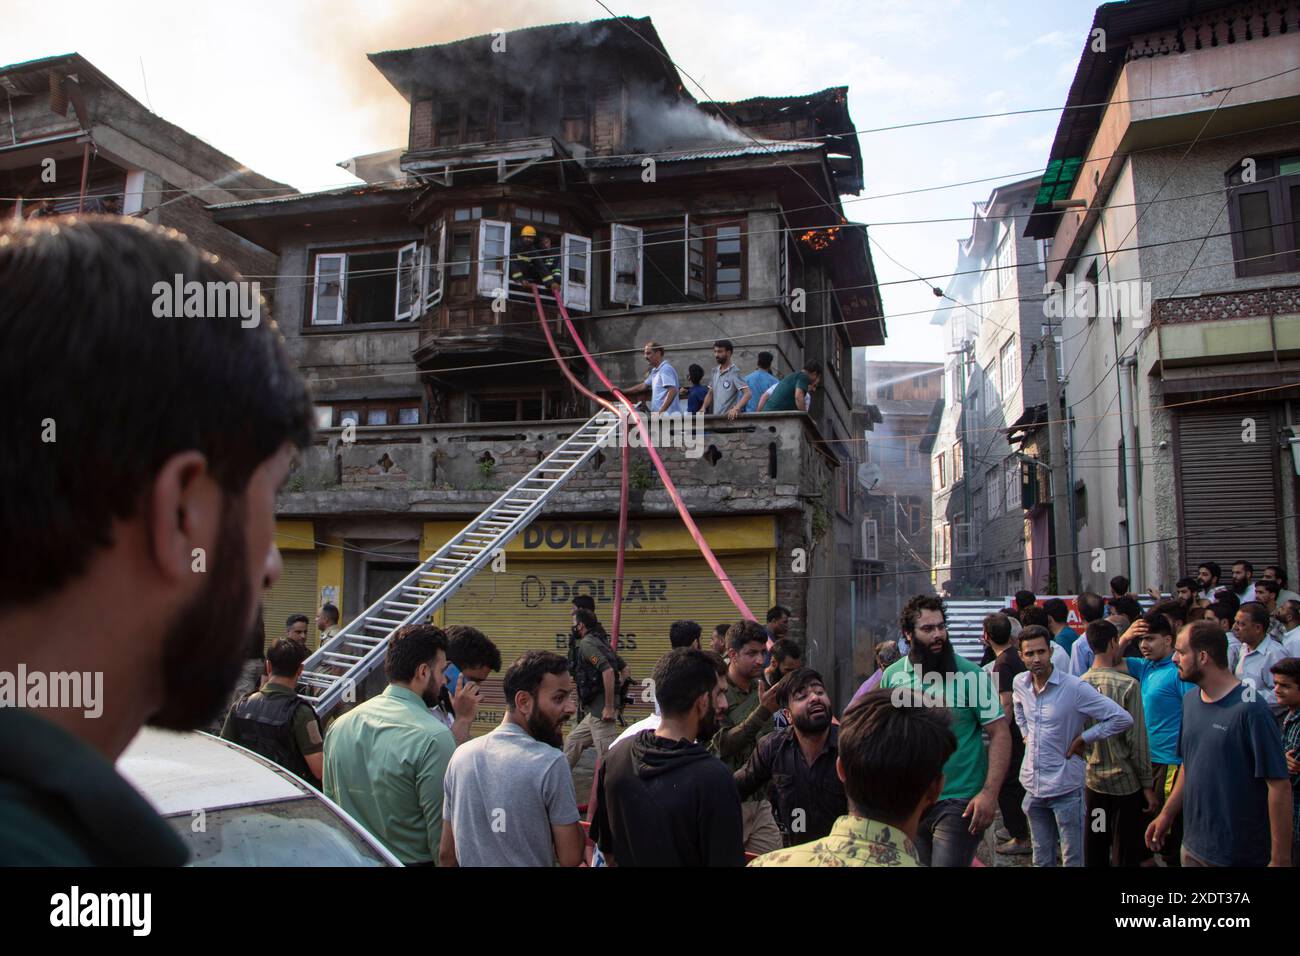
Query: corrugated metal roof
{"type": "Point", "coordinates": [712, 151]}
{"type": "Point", "coordinates": [362, 190]}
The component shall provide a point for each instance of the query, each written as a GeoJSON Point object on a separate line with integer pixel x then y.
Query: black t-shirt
{"type": "Point", "coordinates": [1005, 669]}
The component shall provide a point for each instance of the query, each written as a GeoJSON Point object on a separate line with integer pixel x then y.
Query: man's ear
{"type": "Point", "coordinates": [839, 769]}
{"type": "Point", "coordinates": [183, 516]}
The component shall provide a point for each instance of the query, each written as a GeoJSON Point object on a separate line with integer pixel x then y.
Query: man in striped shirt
{"type": "Point", "coordinates": [1119, 779]}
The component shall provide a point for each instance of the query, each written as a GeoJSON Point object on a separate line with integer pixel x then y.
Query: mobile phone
{"type": "Point", "coordinates": [453, 677]}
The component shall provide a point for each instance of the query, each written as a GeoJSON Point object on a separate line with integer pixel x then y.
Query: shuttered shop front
{"type": "Point", "coordinates": [1229, 501]}
{"type": "Point", "coordinates": [294, 593]}
{"type": "Point", "coordinates": [527, 606]}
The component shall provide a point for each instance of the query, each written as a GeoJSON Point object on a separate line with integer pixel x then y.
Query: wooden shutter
{"type": "Point", "coordinates": [407, 277]}
{"type": "Point", "coordinates": [327, 291]}
{"type": "Point", "coordinates": [294, 593]}
{"type": "Point", "coordinates": [576, 265]}
{"type": "Point", "coordinates": [493, 256]}
{"type": "Point", "coordinates": [435, 257]}
{"type": "Point", "coordinates": [625, 259]}
{"type": "Point", "coordinates": [1228, 499]}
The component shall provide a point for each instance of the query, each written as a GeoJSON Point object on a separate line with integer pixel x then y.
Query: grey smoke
{"type": "Point", "coordinates": [657, 122]}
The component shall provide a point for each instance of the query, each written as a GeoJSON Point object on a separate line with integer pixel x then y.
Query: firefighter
{"type": "Point", "coordinates": [536, 261]}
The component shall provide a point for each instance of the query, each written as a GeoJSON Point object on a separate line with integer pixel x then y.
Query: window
{"type": "Point", "coordinates": [576, 271]}
{"type": "Point", "coordinates": [358, 288]}
{"type": "Point", "coordinates": [993, 490]}
{"type": "Point", "coordinates": [941, 464]}
{"type": "Point", "coordinates": [447, 130]}
{"type": "Point", "coordinates": [510, 122]}
{"type": "Point", "coordinates": [992, 397]}
{"type": "Point", "coordinates": [1044, 254]}
{"type": "Point", "coordinates": [1059, 344]}
{"type": "Point", "coordinates": [1265, 216]}
{"type": "Point", "coordinates": [1010, 359]}
{"type": "Point", "coordinates": [531, 406]}
{"type": "Point", "coordinates": [912, 452]}
{"type": "Point", "coordinates": [726, 271]}
{"type": "Point", "coordinates": [870, 540]}
{"type": "Point", "coordinates": [478, 117]}
{"type": "Point", "coordinates": [1011, 476]}
{"type": "Point", "coordinates": [493, 256]}
{"type": "Point", "coordinates": [956, 462]}
{"type": "Point", "coordinates": [541, 216]}
{"type": "Point", "coordinates": [988, 290]}
{"type": "Point", "coordinates": [385, 412]}
{"type": "Point", "coordinates": [461, 253]}
{"type": "Point", "coordinates": [574, 113]}
{"type": "Point", "coordinates": [1005, 265]}
{"type": "Point", "coordinates": [937, 548]}
{"type": "Point", "coordinates": [915, 515]}
{"type": "Point", "coordinates": [955, 383]}
{"type": "Point", "coordinates": [625, 264]}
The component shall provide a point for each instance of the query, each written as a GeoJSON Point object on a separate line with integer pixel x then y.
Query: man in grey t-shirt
{"type": "Point", "coordinates": [508, 796]}
{"type": "Point", "coordinates": [728, 393]}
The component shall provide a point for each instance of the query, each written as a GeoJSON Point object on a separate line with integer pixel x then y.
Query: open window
{"type": "Point", "coordinates": [576, 268]}
{"type": "Point", "coordinates": [1265, 216]}
{"type": "Point", "coordinates": [368, 287]}
{"type": "Point", "coordinates": [625, 273]}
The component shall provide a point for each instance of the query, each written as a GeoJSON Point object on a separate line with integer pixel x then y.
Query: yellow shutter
{"type": "Point", "coordinates": [294, 593]}
{"type": "Point", "coordinates": [528, 607]}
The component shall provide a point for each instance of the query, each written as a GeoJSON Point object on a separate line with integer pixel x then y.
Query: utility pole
{"type": "Point", "coordinates": [1067, 575]}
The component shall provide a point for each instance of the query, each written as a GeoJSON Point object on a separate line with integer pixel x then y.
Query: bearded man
{"type": "Point", "coordinates": [799, 763]}
{"type": "Point", "coordinates": [663, 798]}
{"type": "Point", "coordinates": [950, 830]}
{"type": "Point", "coordinates": [142, 458]}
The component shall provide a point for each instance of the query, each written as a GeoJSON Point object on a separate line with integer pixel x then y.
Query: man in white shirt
{"type": "Point", "coordinates": [1289, 614]}
{"type": "Point", "coordinates": [1259, 652]}
{"type": "Point", "coordinates": [660, 385]}
{"type": "Point", "coordinates": [1275, 573]}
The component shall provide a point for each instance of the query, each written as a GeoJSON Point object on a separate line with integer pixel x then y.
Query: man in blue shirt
{"type": "Point", "coordinates": [660, 385]}
{"type": "Point", "coordinates": [760, 380]}
{"type": "Point", "coordinates": [1234, 793]}
{"type": "Point", "coordinates": [1162, 703]}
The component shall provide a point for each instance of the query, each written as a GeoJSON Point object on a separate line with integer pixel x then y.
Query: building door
{"type": "Point", "coordinates": [383, 576]}
{"type": "Point", "coordinates": [1228, 493]}
{"type": "Point", "coordinates": [294, 593]}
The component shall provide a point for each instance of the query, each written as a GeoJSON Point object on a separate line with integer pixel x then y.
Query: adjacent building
{"type": "Point", "coordinates": [72, 140]}
{"type": "Point", "coordinates": [990, 526]}
{"type": "Point", "coordinates": [1172, 211]}
{"type": "Point", "coordinates": [672, 220]}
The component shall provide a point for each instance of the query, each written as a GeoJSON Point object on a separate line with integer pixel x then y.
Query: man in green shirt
{"type": "Point", "coordinates": [274, 721]}
{"type": "Point", "coordinates": [789, 394]}
{"type": "Point", "coordinates": [385, 760]}
{"type": "Point", "coordinates": [750, 707]}
{"type": "Point", "coordinates": [138, 532]}
{"type": "Point", "coordinates": [950, 830]}
{"type": "Point", "coordinates": [891, 761]}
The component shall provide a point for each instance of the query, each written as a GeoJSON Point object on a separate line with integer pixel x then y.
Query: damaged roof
{"type": "Point", "coordinates": [715, 151]}
{"type": "Point", "coordinates": [633, 39]}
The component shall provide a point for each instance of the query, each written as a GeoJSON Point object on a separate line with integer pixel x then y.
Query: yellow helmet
{"type": "Point", "coordinates": [528, 231]}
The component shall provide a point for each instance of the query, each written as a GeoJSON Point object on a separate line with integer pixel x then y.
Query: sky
{"type": "Point", "coordinates": [284, 87]}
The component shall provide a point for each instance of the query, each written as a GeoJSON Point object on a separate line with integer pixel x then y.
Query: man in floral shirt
{"type": "Point", "coordinates": [891, 761]}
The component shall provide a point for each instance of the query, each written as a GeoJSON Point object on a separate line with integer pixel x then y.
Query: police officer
{"type": "Point", "coordinates": [534, 262]}
{"type": "Point", "coordinates": [275, 722]}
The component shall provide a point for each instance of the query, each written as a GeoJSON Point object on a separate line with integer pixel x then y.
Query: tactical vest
{"type": "Point", "coordinates": [264, 724]}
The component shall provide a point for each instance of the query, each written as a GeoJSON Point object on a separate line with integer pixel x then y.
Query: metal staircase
{"type": "Point", "coordinates": [342, 662]}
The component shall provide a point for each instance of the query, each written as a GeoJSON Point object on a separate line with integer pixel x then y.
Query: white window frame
{"type": "Point", "coordinates": [490, 280]}
{"type": "Point", "coordinates": [430, 291]}
{"type": "Point", "coordinates": [870, 540]}
{"type": "Point", "coordinates": [625, 240]}
{"type": "Point", "coordinates": [342, 260]}
{"type": "Point", "coordinates": [577, 295]}
{"type": "Point", "coordinates": [1011, 478]}
{"type": "Point", "coordinates": [1004, 261]}
{"type": "Point", "coordinates": [993, 491]}
{"type": "Point", "coordinates": [408, 278]}
{"type": "Point", "coordinates": [1009, 350]}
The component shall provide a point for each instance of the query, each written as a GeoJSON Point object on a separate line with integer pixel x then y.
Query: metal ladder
{"type": "Point", "coordinates": [342, 662]}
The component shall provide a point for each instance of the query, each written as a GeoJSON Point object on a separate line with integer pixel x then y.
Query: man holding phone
{"type": "Point", "coordinates": [471, 657]}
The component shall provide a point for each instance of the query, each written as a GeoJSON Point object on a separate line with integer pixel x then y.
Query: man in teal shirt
{"type": "Point", "coordinates": [790, 391]}
{"type": "Point", "coordinates": [950, 831]}
{"type": "Point", "coordinates": [385, 760]}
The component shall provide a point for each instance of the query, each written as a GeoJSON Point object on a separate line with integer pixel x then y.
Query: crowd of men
{"type": "Point", "coordinates": [1204, 725]}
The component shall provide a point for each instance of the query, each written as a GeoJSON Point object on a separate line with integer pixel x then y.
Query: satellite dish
{"type": "Point", "coordinates": [868, 475]}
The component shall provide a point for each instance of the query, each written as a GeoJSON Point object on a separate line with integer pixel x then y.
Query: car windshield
{"type": "Point", "coordinates": [297, 832]}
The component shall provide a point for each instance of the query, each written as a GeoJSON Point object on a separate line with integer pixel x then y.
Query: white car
{"type": "Point", "coordinates": [233, 807]}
